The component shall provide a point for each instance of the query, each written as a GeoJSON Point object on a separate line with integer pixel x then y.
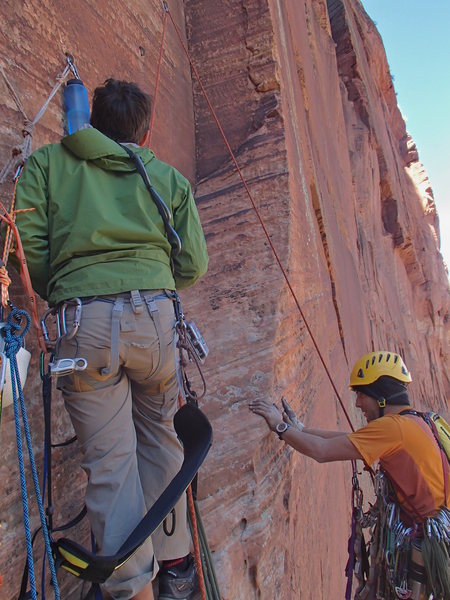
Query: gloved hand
{"type": "Point", "coordinates": [289, 415]}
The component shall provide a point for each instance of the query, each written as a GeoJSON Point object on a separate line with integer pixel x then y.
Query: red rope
{"type": "Point", "coordinates": [244, 183]}
{"type": "Point", "coordinates": [152, 120]}
{"type": "Point", "coordinates": [197, 555]}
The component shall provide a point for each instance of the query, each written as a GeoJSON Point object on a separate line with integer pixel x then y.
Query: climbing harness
{"type": "Point", "coordinates": [407, 558]}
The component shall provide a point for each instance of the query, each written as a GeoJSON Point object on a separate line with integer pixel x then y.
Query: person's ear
{"type": "Point", "coordinates": [144, 140]}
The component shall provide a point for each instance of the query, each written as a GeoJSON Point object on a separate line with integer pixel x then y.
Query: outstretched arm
{"type": "Point", "coordinates": [289, 416]}
{"type": "Point", "coordinates": [324, 433]}
{"type": "Point", "coordinates": [316, 446]}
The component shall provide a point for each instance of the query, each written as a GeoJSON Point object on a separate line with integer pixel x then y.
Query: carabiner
{"type": "Point", "coordinates": [72, 66]}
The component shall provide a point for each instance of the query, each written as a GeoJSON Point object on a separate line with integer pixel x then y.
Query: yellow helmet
{"type": "Point", "coordinates": [376, 364]}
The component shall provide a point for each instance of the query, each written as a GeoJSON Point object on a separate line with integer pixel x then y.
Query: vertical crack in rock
{"type": "Point", "coordinates": [394, 218]}
{"type": "Point", "coordinates": [253, 575]}
{"type": "Point", "coordinates": [346, 60]}
{"type": "Point", "coordinates": [389, 208]}
{"type": "Point", "coordinates": [323, 236]}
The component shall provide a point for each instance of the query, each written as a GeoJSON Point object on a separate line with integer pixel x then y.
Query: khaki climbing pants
{"type": "Point", "coordinates": [122, 409]}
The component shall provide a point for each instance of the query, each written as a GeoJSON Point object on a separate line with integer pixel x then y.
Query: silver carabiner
{"type": "Point", "coordinates": [72, 66]}
{"type": "Point", "coordinates": [76, 318]}
{"type": "Point", "coordinates": [3, 361]}
{"type": "Point", "coordinates": [48, 342]}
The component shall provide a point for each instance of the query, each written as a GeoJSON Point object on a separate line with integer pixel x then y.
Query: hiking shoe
{"type": "Point", "coordinates": [177, 584]}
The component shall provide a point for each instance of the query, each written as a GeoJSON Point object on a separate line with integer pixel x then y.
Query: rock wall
{"type": "Point", "coordinates": [304, 95]}
{"type": "Point", "coordinates": [106, 39]}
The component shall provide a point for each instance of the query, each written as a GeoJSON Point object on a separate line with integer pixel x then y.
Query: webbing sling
{"type": "Point", "coordinates": [164, 212]}
{"type": "Point", "coordinates": [195, 433]}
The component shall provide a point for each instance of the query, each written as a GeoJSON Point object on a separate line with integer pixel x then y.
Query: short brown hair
{"type": "Point", "coordinates": [121, 110]}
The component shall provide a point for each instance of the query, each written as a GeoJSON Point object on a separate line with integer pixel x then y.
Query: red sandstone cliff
{"type": "Point", "coordinates": [304, 94]}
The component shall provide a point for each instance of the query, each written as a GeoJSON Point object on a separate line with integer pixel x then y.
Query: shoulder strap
{"type": "Point", "coordinates": [162, 207]}
{"type": "Point", "coordinates": [410, 411]}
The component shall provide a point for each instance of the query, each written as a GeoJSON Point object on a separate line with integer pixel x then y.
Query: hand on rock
{"type": "Point", "coordinates": [289, 415]}
{"type": "Point", "coordinates": [267, 410]}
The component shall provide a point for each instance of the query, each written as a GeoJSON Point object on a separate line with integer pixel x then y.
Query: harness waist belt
{"type": "Point", "coordinates": [127, 296]}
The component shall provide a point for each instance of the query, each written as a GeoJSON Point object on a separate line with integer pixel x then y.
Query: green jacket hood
{"type": "Point", "coordinates": [90, 144]}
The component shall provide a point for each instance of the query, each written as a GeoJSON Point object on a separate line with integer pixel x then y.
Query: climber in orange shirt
{"type": "Point", "coordinates": [410, 458]}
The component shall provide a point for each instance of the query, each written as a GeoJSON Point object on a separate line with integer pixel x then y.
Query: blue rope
{"type": "Point", "coordinates": [13, 342]}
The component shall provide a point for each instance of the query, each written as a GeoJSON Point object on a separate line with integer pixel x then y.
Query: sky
{"type": "Point", "coordinates": [416, 37]}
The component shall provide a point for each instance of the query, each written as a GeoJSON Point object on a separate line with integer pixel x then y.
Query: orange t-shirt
{"type": "Point", "coordinates": [410, 456]}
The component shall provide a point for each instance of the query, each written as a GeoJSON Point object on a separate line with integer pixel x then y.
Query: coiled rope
{"type": "Point", "coordinates": [13, 342]}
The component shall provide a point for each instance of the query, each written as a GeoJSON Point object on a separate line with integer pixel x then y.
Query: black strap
{"type": "Point", "coordinates": [195, 433]}
{"type": "Point", "coordinates": [23, 593]}
{"type": "Point", "coordinates": [172, 235]}
{"type": "Point", "coordinates": [47, 405]}
{"type": "Point", "coordinates": [80, 516]}
{"type": "Point", "coordinates": [410, 411]}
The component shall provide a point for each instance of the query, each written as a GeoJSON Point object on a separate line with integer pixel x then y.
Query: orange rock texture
{"type": "Point", "coordinates": [303, 92]}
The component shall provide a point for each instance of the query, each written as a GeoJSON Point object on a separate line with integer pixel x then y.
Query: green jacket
{"type": "Point", "coordinates": [95, 229]}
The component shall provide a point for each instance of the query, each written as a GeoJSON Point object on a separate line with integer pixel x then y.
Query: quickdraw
{"type": "Point", "coordinates": [192, 348]}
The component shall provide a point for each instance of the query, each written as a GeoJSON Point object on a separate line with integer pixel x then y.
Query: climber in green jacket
{"type": "Point", "coordinates": [95, 230]}
{"type": "Point", "coordinates": [95, 234]}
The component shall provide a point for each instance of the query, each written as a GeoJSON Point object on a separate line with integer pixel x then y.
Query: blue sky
{"type": "Point", "coordinates": [416, 37]}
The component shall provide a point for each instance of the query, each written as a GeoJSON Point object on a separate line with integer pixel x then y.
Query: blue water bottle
{"type": "Point", "coordinates": [76, 106]}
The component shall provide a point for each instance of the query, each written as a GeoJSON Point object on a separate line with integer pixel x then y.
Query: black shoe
{"type": "Point", "coordinates": [177, 584]}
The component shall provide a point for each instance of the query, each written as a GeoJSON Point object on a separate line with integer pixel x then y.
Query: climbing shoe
{"type": "Point", "coordinates": [179, 582]}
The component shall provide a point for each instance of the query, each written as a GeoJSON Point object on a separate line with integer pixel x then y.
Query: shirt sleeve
{"type": "Point", "coordinates": [33, 225]}
{"type": "Point", "coordinates": [192, 262]}
{"type": "Point", "coordinates": [378, 439]}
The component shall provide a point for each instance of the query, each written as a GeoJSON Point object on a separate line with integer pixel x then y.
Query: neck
{"type": "Point", "coordinates": [394, 408]}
